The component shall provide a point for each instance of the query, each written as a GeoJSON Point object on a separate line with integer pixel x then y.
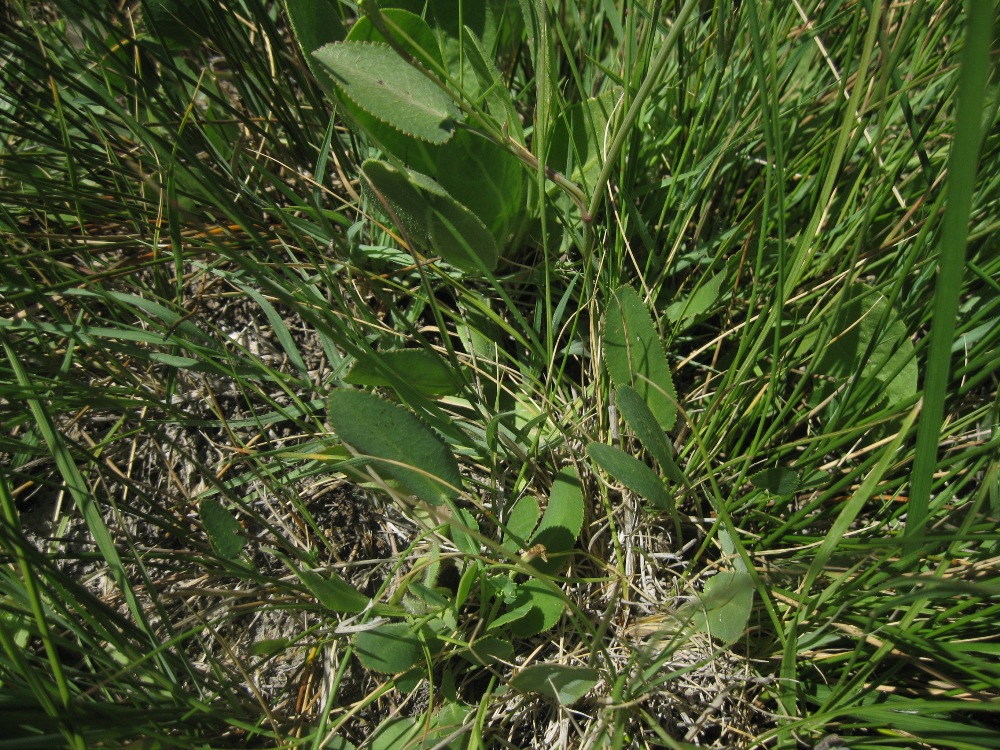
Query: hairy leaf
{"type": "Point", "coordinates": [400, 445]}
{"type": "Point", "coordinates": [379, 81]}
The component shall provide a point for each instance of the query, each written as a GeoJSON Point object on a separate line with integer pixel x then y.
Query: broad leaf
{"type": "Point", "coordinates": [333, 592]}
{"type": "Point", "coordinates": [390, 648]}
{"type": "Point", "coordinates": [379, 81]}
{"type": "Point", "coordinates": [400, 445]}
{"type": "Point", "coordinates": [563, 684]}
{"type": "Point", "coordinates": [700, 300]}
{"type": "Point", "coordinates": [634, 356]}
{"type": "Point", "coordinates": [418, 368]}
{"type": "Point", "coordinates": [521, 522]}
{"type": "Point", "coordinates": [777, 481]}
{"type": "Point", "coordinates": [561, 524]}
{"type": "Point", "coordinates": [724, 608]}
{"type": "Point", "coordinates": [631, 472]}
{"type": "Point", "coordinates": [224, 531]}
{"type": "Point", "coordinates": [868, 342]}
{"type": "Point", "coordinates": [314, 24]}
{"type": "Point", "coordinates": [429, 216]}
{"type": "Point", "coordinates": [581, 138]}
{"type": "Point", "coordinates": [544, 606]}
{"type": "Point", "coordinates": [635, 411]}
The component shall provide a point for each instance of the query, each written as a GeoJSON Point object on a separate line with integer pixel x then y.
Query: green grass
{"type": "Point", "coordinates": [805, 196]}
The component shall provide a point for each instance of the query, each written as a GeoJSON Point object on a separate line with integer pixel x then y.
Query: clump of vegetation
{"type": "Point", "coordinates": [498, 374]}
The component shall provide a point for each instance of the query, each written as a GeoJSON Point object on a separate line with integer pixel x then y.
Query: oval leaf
{"type": "Point", "coordinates": [777, 481]}
{"type": "Point", "coordinates": [563, 684]}
{"type": "Point", "coordinates": [224, 531]}
{"type": "Point", "coordinates": [631, 472]}
{"type": "Point", "coordinates": [429, 216]}
{"type": "Point", "coordinates": [724, 608]}
{"type": "Point", "coordinates": [410, 452]}
{"type": "Point", "coordinates": [644, 424]}
{"type": "Point", "coordinates": [379, 81]}
{"type": "Point", "coordinates": [418, 368]}
{"type": "Point", "coordinates": [634, 356]}
{"type": "Point", "coordinates": [334, 593]}
{"type": "Point", "coordinates": [389, 648]}
{"type": "Point", "coordinates": [560, 525]}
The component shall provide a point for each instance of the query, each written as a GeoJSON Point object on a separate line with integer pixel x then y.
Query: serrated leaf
{"type": "Point", "coordinates": [379, 81]}
{"type": "Point", "coordinates": [638, 416]}
{"type": "Point", "coordinates": [634, 355]}
{"type": "Point", "coordinates": [398, 443]}
{"type": "Point", "coordinates": [631, 472]}
{"type": "Point", "coordinates": [224, 531]}
{"type": "Point", "coordinates": [390, 648]}
{"type": "Point", "coordinates": [333, 592]}
{"type": "Point", "coordinates": [418, 368]}
{"type": "Point", "coordinates": [561, 524]}
{"type": "Point", "coordinates": [562, 683]}
{"type": "Point", "coordinates": [429, 216]}
{"type": "Point", "coordinates": [777, 480]}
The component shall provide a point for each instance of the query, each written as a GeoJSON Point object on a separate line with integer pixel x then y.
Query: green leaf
{"type": "Point", "coordinates": [777, 480]}
{"type": "Point", "coordinates": [868, 341]}
{"type": "Point", "coordinates": [430, 217]}
{"type": "Point", "coordinates": [724, 608]}
{"type": "Point", "coordinates": [315, 23]}
{"type": "Point", "coordinates": [465, 542]}
{"type": "Point", "coordinates": [487, 179]}
{"type": "Point", "coordinates": [390, 648]}
{"type": "Point", "coordinates": [561, 524]}
{"type": "Point", "coordinates": [224, 531]}
{"type": "Point", "coordinates": [333, 592]}
{"type": "Point", "coordinates": [520, 523]}
{"type": "Point", "coordinates": [418, 368]}
{"type": "Point", "coordinates": [631, 472]}
{"type": "Point", "coordinates": [498, 98]}
{"type": "Point", "coordinates": [543, 607]}
{"type": "Point", "coordinates": [379, 81]}
{"type": "Point", "coordinates": [634, 356]}
{"type": "Point", "coordinates": [400, 445]}
{"type": "Point", "coordinates": [489, 650]}
{"type": "Point", "coordinates": [635, 411]}
{"type": "Point", "coordinates": [563, 684]}
{"type": "Point", "coordinates": [581, 138]}
{"type": "Point", "coordinates": [269, 646]}
{"type": "Point", "coordinates": [699, 302]}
